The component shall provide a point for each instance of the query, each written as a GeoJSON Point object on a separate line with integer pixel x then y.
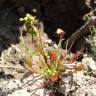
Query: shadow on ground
{"type": "Point", "coordinates": [64, 14]}
{"type": "Point", "coordinates": [9, 27]}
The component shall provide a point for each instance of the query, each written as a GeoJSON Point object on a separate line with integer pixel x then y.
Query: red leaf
{"type": "Point", "coordinates": [53, 56]}
{"type": "Point", "coordinates": [54, 77]}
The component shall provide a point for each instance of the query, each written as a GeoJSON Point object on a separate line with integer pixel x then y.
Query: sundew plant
{"type": "Point", "coordinates": [43, 59]}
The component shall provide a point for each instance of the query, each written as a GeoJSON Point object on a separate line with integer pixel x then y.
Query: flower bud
{"type": "Point", "coordinates": [61, 33]}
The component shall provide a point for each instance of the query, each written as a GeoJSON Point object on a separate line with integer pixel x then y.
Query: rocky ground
{"type": "Point", "coordinates": [15, 80]}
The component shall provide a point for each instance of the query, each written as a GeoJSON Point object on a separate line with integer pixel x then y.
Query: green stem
{"type": "Point", "coordinates": [59, 53]}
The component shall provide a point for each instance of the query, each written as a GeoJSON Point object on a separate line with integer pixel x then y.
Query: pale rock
{"type": "Point", "coordinates": [89, 63]}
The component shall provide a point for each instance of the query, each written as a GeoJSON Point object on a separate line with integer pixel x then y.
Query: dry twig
{"type": "Point", "coordinates": [83, 31]}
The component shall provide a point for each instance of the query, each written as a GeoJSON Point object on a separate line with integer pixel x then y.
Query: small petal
{"type": "Point", "coordinates": [25, 18]}
{"type": "Point", "coordinates": [28, 15]}
{"type": "Point", "coordinates": [21, 19]}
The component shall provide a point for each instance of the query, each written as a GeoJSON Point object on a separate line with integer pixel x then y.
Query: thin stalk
{"type": "Point", "coordinates": [43, 60]}
{"type": "Point", "coordinates": [59, 53]}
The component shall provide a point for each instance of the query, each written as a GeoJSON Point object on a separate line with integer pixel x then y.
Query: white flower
{"type": "Point", "coordinates": [28, 15]}
{"type": "Point", "coordinates": [21, 19]}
